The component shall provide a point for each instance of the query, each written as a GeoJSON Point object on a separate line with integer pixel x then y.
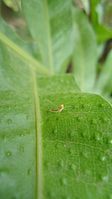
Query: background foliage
{"type": "Point", "coordinates": [46, 154]}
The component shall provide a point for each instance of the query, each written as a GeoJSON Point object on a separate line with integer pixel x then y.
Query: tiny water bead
{"type": "Point", "coordinates": [105, 178]}
{"type": "Point", "coordinates": [78, 119]}
{"type": "Point", "coordinates": [98, 136]}
{"type": "Point", "coordinates": [8, 153]}
{"type": "Point", "coordinates": [71, 134]}
{"type": "Point", "coordinates": [110, 141]}
{"type": "Point", "coordinates": [83, 134]}
{"type": "Point", "coordinates": [64, 181]}
{"type": "Point", "coordinates": [21, 134]}
{"type": "Point", "coordinates": [93, 121]}
{"type": "Point", "coordinates": [54, 131]}
{"type": "Point", "coordinates": [100, 105]}
{"type": "Point", "coordinates": [103, 158]}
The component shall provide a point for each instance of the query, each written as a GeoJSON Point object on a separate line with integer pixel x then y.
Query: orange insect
{"type": "Point", "coordinates": [59, 109]}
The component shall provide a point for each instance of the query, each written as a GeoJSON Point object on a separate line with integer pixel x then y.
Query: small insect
{"type": "Point", "coordinates": [59, 109]}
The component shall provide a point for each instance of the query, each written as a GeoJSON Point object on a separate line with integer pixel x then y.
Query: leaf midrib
{"type": "Point", "coordinates": [38, 141]}
{"type": "Point", "coordinates": [34, 64]}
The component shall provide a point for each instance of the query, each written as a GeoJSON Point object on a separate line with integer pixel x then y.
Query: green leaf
{"type": "Point", "coordinates": [14, 4]}
{"type": "Point", "coordinates": [85, 52]}
{"type": "Point", "coordinates": [103, 32]}
{"type": "Point", "coordinates": [105, 76]}
{"type": "Point", "coordinates": [86, 6]}
{"type": "Point", "coordinates": [22, 54]}
{"type": "Point", "coordinates": [47, 154]}
{"type": "Point", "coordinates": [50, 24]}
{"type": "Point", "coordinates": [11, 34]}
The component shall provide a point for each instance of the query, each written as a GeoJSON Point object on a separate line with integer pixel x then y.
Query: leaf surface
{"type": "Point", "coordinates": [85, 52]}
{"type": "Point", "coordinates": [103, 32]}
{"type": "Point", "coordinates": [14, 4]}
{"type": "Point", "coordinates": [46, 154]}
{"type": "Point", "coordinates": [50, 23]}
{"type": "Point", "coordinates": [105, 76]}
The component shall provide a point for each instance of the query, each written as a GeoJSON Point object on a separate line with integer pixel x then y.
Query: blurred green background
{"type": "Point", "coordinates": [92, 44]}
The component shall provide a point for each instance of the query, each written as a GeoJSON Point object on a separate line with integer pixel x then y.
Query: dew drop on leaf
{"type": "Point", "coordinates": [8, 153]}
{"type": "Point", "coordinates": [103, 158]}
{"type": "Point", "coordinates": [110, 141]}
{"type": "Point", "coordinates": [93, 121]}
{"type": "Point", "coordinates": [64, 181]}
{"type": "Point", "coordinates": [100, 105]}
{"type": "Point", "coordinates": [78, 119]}
{"type": "Point", "coordinates": [21, 135]}
{"type": "Point", "coordinates": [55, 131]}
{"type": "Point", "coordinates": [105, 178]}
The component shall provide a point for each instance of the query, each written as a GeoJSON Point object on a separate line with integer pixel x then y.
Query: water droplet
{"type": "Point", "coordinates": [100, 105]}
{"type": "Point", "coordinates": [105, 178]}
{"type": "Point", "coordinates": [83, 134]}
{"type": "Point", "coordinates": [78, 119]}
{"type": "Point", "coordinates": [110, 141]}
{"type": "Point", "coordinates": [9, 121]}
{"type": "Point", "coordinates": [93, 121]}
{"type": "Point", "coordinates": [103, 158]}
{"type": "Point", "coordinates": [55, 131]}
{"type": "Point", "coordinates": [64, 181]}
{"type": "Point", "coordinates": [98, 137]}
{"type": "Point", "coordinates": [8, 153]}
{"type": "Point", "coordinates": [21, 134]}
